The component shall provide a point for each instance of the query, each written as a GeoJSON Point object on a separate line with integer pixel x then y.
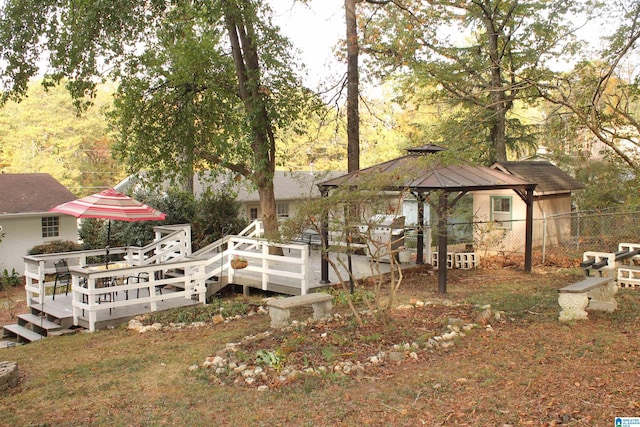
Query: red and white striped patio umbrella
{"type": "Point", "coordinates": [109, 204]}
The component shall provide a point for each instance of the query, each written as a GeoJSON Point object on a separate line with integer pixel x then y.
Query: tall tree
{"type": "Point", "coordinates": [43, 133]}
{"type": "Point", "coordinates": [353, 81]}
{"type": "Point", "coordinates": [603, 96]}
{"type": "Point", "coordinates": [480, 55]}
{"type": "Point", "coordinates": [214, 79]}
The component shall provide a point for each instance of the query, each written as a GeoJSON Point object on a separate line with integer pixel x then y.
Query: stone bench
{"type": "Point", "coordinates": [595, 292]}
{"type": "Point", "coordinates": [279, 307]}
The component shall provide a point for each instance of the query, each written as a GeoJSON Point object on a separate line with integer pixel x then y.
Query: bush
{"type": "Point", "coordinates": [211, 217]}
{"type": "Point", "coordinates": [217, 215]}
{"type": "Point", "coordinates": [55, 247]}
{"type": "Point", "coordinates": [9, 279]}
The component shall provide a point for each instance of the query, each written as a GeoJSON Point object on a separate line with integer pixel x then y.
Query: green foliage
{"type": "Point", "coordinates": [217, 215]}
{"type": "Point", "coordinates": [271, 359]}
{"type": "Point", "coordinates": [211, 217]}
{"type": "Point", "coordinates": [341, 296]}
{"type": "Point", "coordinates": [199, 313]}
{"type": "Point", "coordinates": [44, 133]}
{"type": "Point", "coordinates": [9, 279]}
{"type": "Point", "coordinates": [55, 247]}
{"type": "Point", "coordinates": [473, 60]}
{"type": "Point", "coordinates": [328, 354]}
{"type": "Point", "coordinates": [208, 84]}
{"type": "Point", "coordinates": [609, 183]}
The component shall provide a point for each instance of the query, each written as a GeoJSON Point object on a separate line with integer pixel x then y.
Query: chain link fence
{"type": "Point", "coordinates": [557, 240]}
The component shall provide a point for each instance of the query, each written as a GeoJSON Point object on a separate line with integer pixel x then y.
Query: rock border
{"type": "Point", "coordinates": [226, 370]}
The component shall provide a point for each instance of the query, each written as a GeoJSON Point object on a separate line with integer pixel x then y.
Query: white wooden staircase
{"type": "Point", "coordinates": [37, 325]}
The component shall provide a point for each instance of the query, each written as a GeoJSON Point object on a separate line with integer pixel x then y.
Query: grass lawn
{"type": "Point", "coordinates": [526, 369]}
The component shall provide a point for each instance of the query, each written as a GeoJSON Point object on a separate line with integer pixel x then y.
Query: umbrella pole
{"type": "Point", "coordinates": [107, 248]}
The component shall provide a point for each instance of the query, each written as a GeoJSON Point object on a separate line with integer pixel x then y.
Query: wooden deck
{"type": "Point", "coordinates": [61, 309]}
{"type": "Point", "coordinates": [361, 267]}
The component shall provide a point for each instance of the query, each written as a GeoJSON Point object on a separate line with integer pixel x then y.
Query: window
{"type": "Point", "coordinates": [51, 226]}
{"type": "Point", "coordinates": [253, 213]}
{"type": "Point", "coordinates": [282, 210]}
{"type": "Point", "coordinates": [501, 212]}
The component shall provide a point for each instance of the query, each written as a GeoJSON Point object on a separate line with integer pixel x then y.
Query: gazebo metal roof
{"type": "Point", "coordinates": [421, 173]}
{"type": "Point", "coordinates": [413, 172]}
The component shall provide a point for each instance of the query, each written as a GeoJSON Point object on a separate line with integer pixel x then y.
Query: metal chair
{"type": "Point", "coordinates": [63, 276]}
{"type": "Point", "coordinates": [143, 277]}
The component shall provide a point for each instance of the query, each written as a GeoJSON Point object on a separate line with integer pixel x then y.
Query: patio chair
{"type": "Point", "coordinates": [106, 282]}
{"type": "Point", "coordinates": [63, 276]}
{"type": "Point", "coordinates": [143, 277]}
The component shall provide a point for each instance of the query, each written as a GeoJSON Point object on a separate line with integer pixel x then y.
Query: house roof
{"type": "Point", "coordinates": [421, 174]}
{"type": "Point", "coordinates": [287, 185]}
{"type": "Point", "coordinates": [550, 178]}
{"type": "Point", "coordinates": [31, 193]}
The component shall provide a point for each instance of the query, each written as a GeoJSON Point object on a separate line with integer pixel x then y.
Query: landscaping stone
{"type": "Point", "coordinates": [397, 356]}
{"type": "Point", "coordinates": [8, 375]}
{"type": "Point", "coordinates": [484, 317]}
{"type": "Point", "coordinates": [230, 370]}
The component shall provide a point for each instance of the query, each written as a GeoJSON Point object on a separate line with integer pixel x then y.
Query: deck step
{"type": "Point", "coordinates": [23, 334]}
{"type": "Point", "coordinates": [61, 332]}
{"type": "Point", "coordinates": [38, 321]}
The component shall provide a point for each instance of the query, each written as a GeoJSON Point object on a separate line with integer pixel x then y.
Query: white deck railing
{"type": "Point", "coordinates": [169, 252]}
{"type": "Point", "coordinates": [293, 266]}
{"type": "Point", "coordinates": [166, 247]}
{"type": "Point", "coordinates": [139, 284]}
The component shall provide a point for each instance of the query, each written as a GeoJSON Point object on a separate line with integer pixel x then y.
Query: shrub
{"type": "Point", "coordinates": [55, 247]}
{"type": "Point", "coordinates": [211, 217]}
{"type": "Point", "coordinates": [9, 279]}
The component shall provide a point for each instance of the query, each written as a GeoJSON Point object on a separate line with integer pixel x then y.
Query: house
{"type": "Point", "coordinates": [500, 215]}
{"type": "Point", "coordinates": [25, 200]}
{"type": "Point", "coordinates": [290, 188]}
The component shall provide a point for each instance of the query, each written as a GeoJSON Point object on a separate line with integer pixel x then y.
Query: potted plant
{"type": "Point", "coordinates": [238, 262]}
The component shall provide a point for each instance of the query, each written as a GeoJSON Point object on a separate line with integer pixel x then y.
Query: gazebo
{"type": "Point", "coordinates": [423, 174]}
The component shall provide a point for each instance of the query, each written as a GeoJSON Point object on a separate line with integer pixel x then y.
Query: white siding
{"type": "Point", "coordinates": [23, 232]}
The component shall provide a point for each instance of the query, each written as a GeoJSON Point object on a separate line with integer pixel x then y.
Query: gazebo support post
{"type": "Point", "coordinates": [528, 250]}
{"type": "Point", "coordinates": [324, 243]}
{"type": "Point", "coordinates": [420, 235]}
{"type": "Point", "coordinates": [443, 200]}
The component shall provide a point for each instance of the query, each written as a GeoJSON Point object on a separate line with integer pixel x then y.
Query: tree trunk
{"type": "Point", "coordinates": [247, 65]}
{"type": "Point", "coordinates": [268, 208]}
{"type": "Point", "coordinates": [497, 91]}
{"type": "Point", "coordinates": [353, 80]}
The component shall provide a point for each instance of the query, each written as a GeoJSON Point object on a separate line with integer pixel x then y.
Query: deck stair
{"type": "Point", "coordinates": [20, 333]}
{"type": "Point", "coordinates": [35, 325]}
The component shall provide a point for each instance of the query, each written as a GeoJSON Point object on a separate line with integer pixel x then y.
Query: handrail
{"type": "Point", "coordinates": [90, 299]}
{"type": "Point", "coordinates": [261, 261]}
{"type": "Point", "coordinates": [257, 227]}
{"type": "Point", "coordinates": [37, 267]}
{"type": "Point", "coordinates": [168, 252]}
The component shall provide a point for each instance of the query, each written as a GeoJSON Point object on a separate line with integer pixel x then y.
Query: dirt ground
{"type": "Point", "coordinates": [526, 368]}
{"type": "Point", "coordinates": [12, 302]}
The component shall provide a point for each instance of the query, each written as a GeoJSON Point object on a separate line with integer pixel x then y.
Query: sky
{"type": "Point", "coordinates": [314, 29]}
